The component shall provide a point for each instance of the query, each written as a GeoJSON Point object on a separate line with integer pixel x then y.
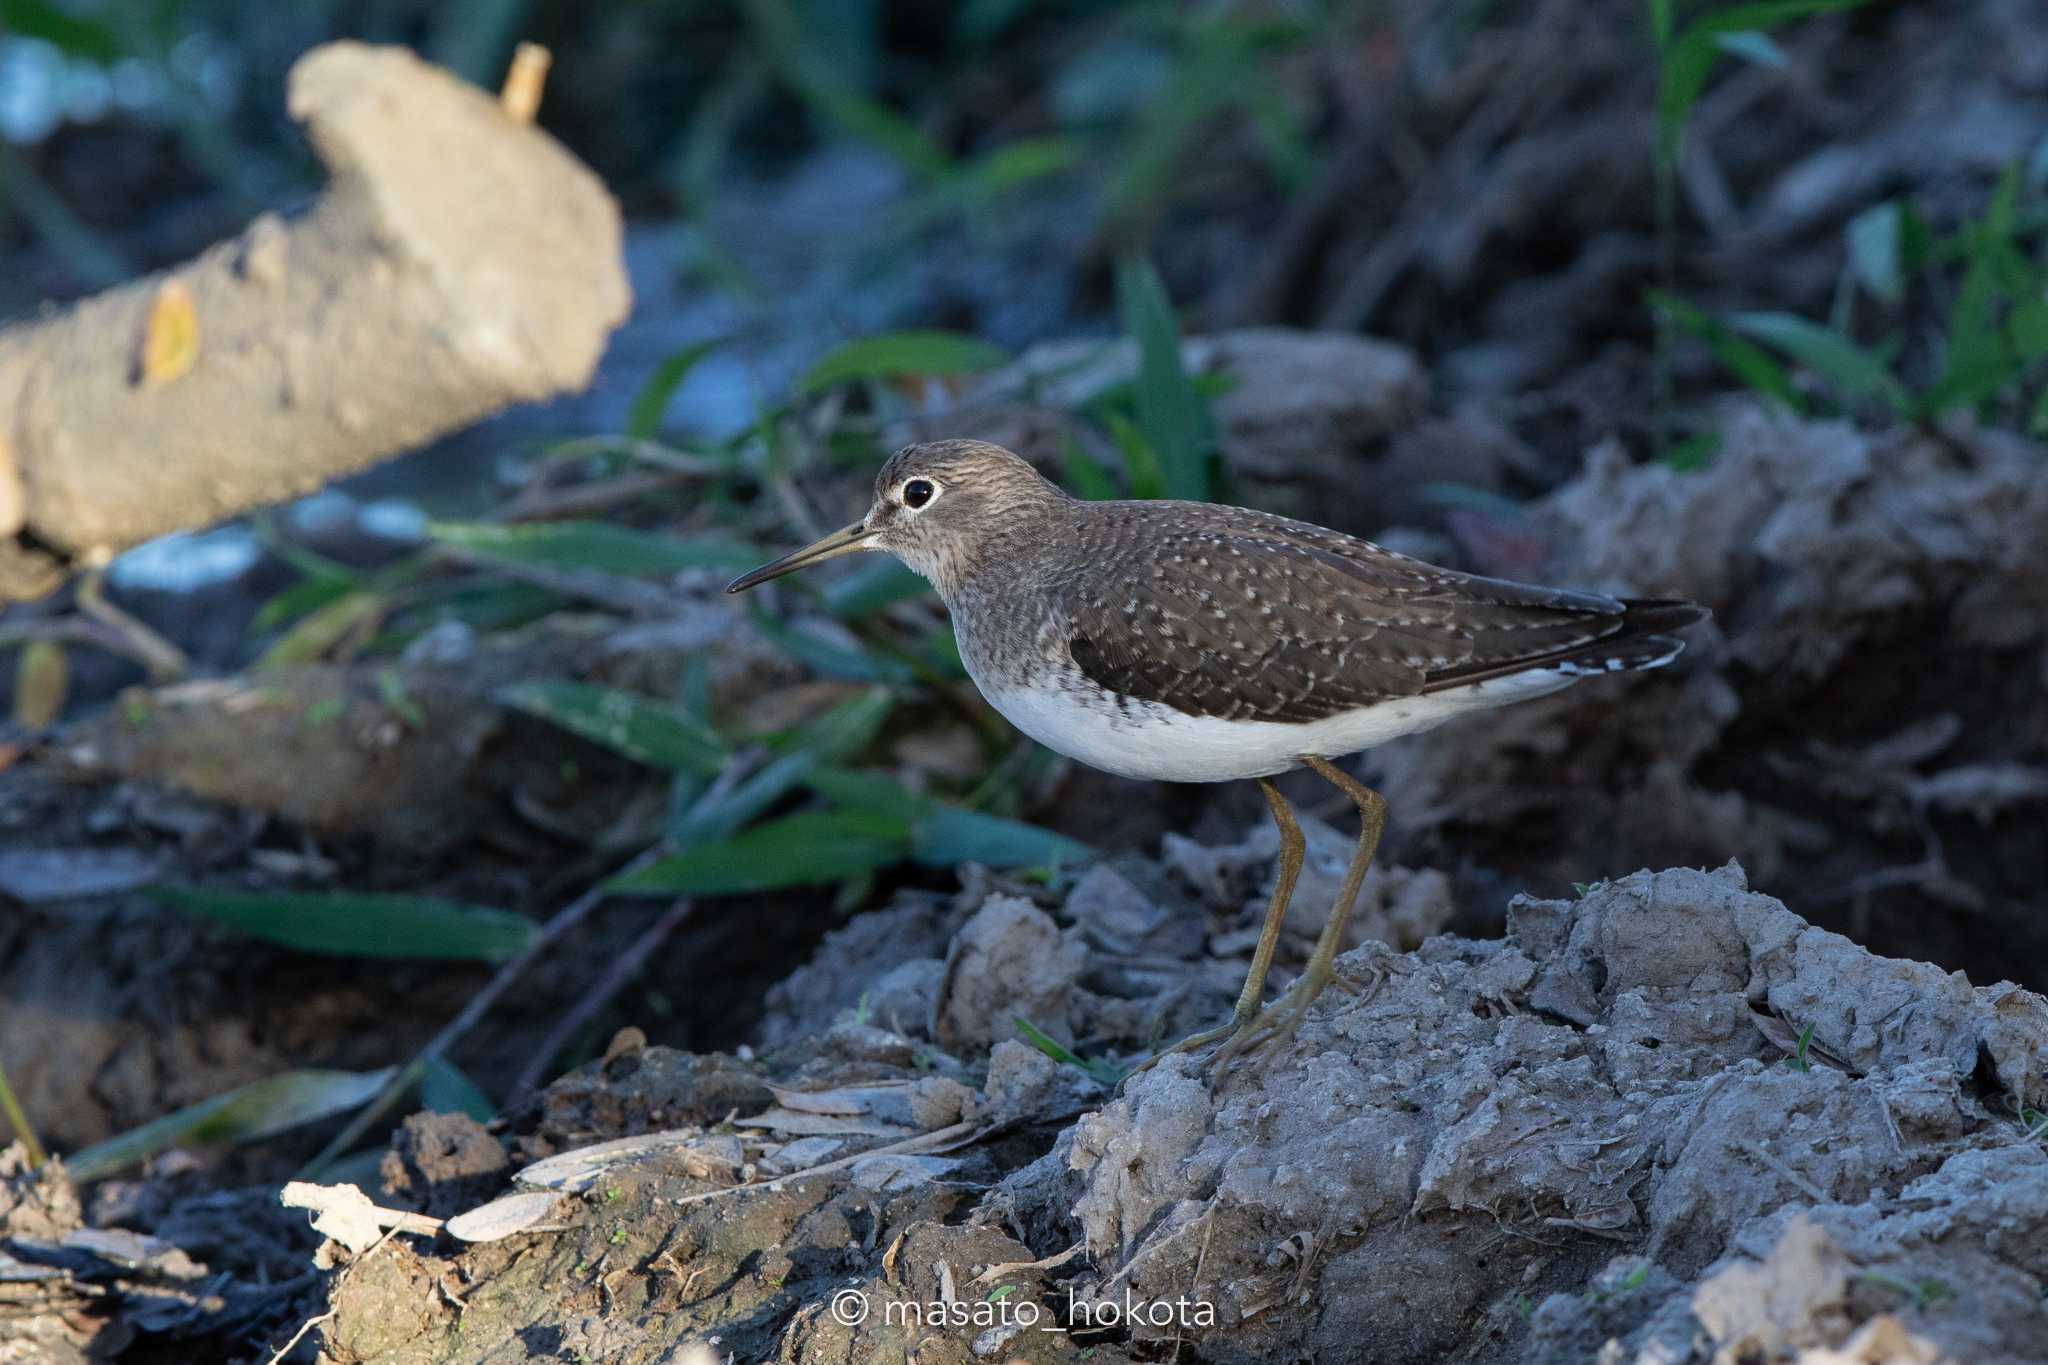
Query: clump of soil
{"type": "Point", "coordinates": [1669, 1120]}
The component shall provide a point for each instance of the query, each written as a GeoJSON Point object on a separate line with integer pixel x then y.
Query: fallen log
{"type": "Point", "coordinates": [459, 261]}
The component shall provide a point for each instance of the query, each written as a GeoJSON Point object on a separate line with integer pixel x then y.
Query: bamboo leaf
{"type": "Point", "coordinates": [646, 731]}
{"type": "Point", "coordinates": [360, 924]}
{"type": "Point", "coordinates": [321, 631]}
{"type": "Point", "coordinates": [650, 405]}
{"type": "Point", "coordinates": [808, 849]}
{"type": "Point", "coordinates": [445, 1089]}
{"type": "Point", "coordinates": [1749, 362]}
{"type": "Point", "coordinates": [824, 657]}
{"type": "Point", "coordinates": [896, 354]}
{"type": "Point", "coordinates": [594, 545]}
{"type": "Point", "coordinates": [308, 595]}
{"type": "Point", "coordinates": [844, 730]}
{"type": "Point", "coordinates": [950, 835]}
{"type": "Point", "coordinates": [1829, 354]}
{"type": "Point", "coordinates": [1085, 474]}
{"type": "Point", "coordinates": [1172, 416]}
{"type": "Point", "coordinates": [256, 1110]}
{"type": "Point", "coordinates": [873, 587]}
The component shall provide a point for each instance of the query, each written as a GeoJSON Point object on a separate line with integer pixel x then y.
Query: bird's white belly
{"type": "Point", "coordinates": [1147, 740]}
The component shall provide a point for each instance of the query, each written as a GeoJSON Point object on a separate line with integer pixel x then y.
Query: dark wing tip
{"type": "Point", "coordinates": [1652, 614]}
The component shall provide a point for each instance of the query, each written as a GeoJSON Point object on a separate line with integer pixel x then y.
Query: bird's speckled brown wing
{"type": "Point", "coordinates": [1245, 616]}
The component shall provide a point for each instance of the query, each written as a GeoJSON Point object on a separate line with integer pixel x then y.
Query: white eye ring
{"type": "Point", "coordinates": [918, 494]}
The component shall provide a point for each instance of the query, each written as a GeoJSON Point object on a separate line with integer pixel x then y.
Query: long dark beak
{"type": "Point", "coordinates": [840, 542]}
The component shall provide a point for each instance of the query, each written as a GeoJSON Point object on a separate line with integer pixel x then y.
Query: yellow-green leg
{"type": "Point", "coordinates": [1288, 1011]}
{"type": "Point", "coordinates": [1292, 849]}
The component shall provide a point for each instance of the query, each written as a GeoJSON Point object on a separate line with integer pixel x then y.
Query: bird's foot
{"type": "Point", "coordinates": [1263, 1039]}
{"type": "Point", "coordinates": [1259, 1036]}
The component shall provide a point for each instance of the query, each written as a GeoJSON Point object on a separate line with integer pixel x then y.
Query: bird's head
{"type": "Point", "coordinates": [936, 505]}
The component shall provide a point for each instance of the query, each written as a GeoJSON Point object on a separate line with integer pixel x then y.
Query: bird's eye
{"type": "Point", "coordinates": [918, 492]}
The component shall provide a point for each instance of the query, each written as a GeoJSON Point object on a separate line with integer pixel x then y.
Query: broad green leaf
{"type": "Point", "coordinates": [844, 730]}
{"type": "Point", "coordinates": [1876, 239]}
{"type": "Point", "coordinates": [1829, 354]}
{"type": "Point", "coordinates": [1749, 362]}
{"type": "Point", "coordinates": [828, 659]}
{"type": "Point", "coordinates": [446, 1090]}
{"type": "Point", "coordinates": [318, 633]}
{"type": "Point", "coordinates": [895, 354]}
{"type": "Point", "coordinates": [872, 587]}
{"type": "Point", "coordinates": [875, 793]}
{"type": "Point", "coordinates": [360, 924]}
{"type": "Point", "coordinates": [595, 545]}
{"type": "Point", "coordinates": [650, 405]}
{"type": "Point", "coordinates": [646, 731]}
{"type": "Point", "coordinates": [801, 850]}
{"type": "Point", "coordinates": [1142, 467]}
{"type": "Point", "coordinates": [256, 1110]}
{"type": "Point", "coordinates": [484, 605]}
{"type": "Point", "coordinates": [309, 594]}
{"type": "Point", "coordinates": [1172, 416]}
{"type": "Point", "coordinates": [1085, 474]}
{"type": "Point", "coordinates": [943, 835]}
{"type": "Point", "coordinates": [948, 835]}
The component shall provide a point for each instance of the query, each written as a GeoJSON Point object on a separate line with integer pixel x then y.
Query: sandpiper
{"type": "Point", "coordinates": [1190, 642]}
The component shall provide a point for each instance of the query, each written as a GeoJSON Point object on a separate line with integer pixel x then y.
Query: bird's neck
{"type": "Point", "coordinates": [990, 565]}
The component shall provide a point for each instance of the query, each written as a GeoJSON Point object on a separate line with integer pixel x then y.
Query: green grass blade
{"type": "Point", "coordinates": [593, 545]}
{"type": "Point", "coordinates": [897, 354]}
{"type": "Point", "coordinates": [360, 924]}
{"type": "Point", "coordinates": [830, 660]}
{"type": "Point", "coordinates": [256, 1110]}
{"type": "Point", "coordinates": [1841, 362]}
{"type": "Point", "coordinates": [1142, 466]}
{"type": "Point", "coordinates": [650, 405]}
{"type": "Point", "coordinates": [873, 587]}
{"type": "Point", "coordinates": [807, 849]}
{"type": "Point", "coordinates": [1749, 362]}
{"type": "Point", "coordinates": [307, 595]}
{"type": "Point", "coordinates": [324, 628]}
{"type": "Point", "coordinates": [646, 731]}
{"type": "Point", "coordinates": [949, 835]}
{"type": "Point", "coordinates": [1172, 416]}
{"type": "Point", "coordinates": [1086, 477]}
{"type": "Point", "coordinates": [844, 730]}
{"type": "Point", "coordinates": [445, 1089]}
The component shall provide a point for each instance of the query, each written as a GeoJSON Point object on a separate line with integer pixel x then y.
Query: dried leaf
{"type": "Point", "coordinates": [502, 1217]}
{"type": "Point", "coordinates": [170, 337]}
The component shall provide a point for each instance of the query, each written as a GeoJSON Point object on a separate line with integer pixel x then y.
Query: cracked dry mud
{"type": "Point", "coordinates": [1579, 1142]}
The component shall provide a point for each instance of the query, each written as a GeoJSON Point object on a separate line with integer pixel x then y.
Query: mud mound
{"type": "Point", "coordinates": [1667, 1121]}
